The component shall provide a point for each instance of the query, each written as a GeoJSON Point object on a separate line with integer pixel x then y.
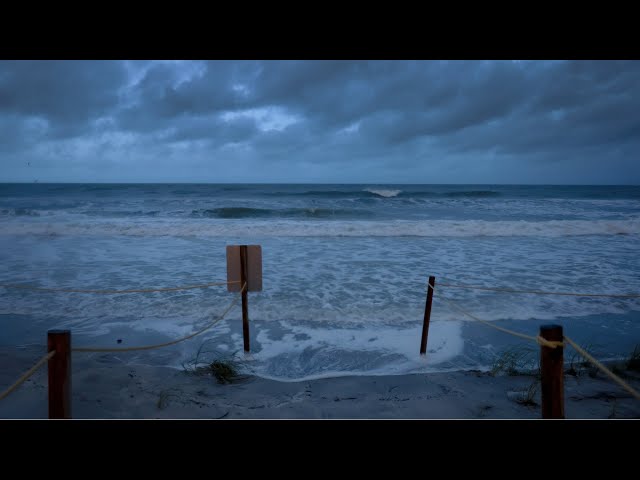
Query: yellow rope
{"type": "Point", "coordinates": [540, 292]}
{"type": "Point", "coordinates": [27, 374]}
{"type": "Point", "coordinates": [553, 344]}
{"type": "Point", "coordinates": [604, 369]}
{"type": "Point", "coordinates": [160, 345]}
{"type": "Point", "coordinates": [114, 292]}
{"type": "Point", "coordinates": [549, 343]}
{"type": "Point", "coordinates": [505, 330]}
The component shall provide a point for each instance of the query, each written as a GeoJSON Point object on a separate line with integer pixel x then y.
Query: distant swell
{"type": "Point", "coordinates": [473, 194]}
{"type": "Point", "coordinates": [321, 194]}
{"type": "Point", "coordinates": [337, 194]}
{"type": "Point", "coordinates": [323, 228]}
{"type": "Point", "coordinates": [121, 213]}
{"type": "Point", "coordinates": [19, 212]}
{"type": "Point", "coordinates": [370, 192]}
{"type": "Point", "coordinates": [232, 212]}
{"type": "Point", "coordinates": [310, 212]}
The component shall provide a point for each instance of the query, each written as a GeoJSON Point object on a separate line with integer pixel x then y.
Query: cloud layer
{"type": "Point", "coordinates": [320, 121]}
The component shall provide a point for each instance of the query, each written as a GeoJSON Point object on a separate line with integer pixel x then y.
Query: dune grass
{"type": "Point", "coordinates": [579, 366]}
{"type": "Point", "coordinates": [225, 367]}
{"type": "Point", "coordinates": [516, 360]}
{"type": "Point", "coordinates": [528, 396]}
{"type": "Point", "coordinates": [633, 362]}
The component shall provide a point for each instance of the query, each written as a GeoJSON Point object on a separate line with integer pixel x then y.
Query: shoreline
{"type": "Point", "coordinates": [103, 387]}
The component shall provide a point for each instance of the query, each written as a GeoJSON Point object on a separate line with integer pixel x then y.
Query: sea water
{"type": "Point", "coordinates": [345, 269]}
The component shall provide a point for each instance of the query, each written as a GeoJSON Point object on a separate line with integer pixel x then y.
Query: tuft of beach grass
{"type": "Point", "coordinates": [224, 367]}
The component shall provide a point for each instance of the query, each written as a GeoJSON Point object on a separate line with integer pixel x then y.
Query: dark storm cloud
{"type": "Point", "coordinates": [214, 129]}
{"type": "Point", "coordinates": [160, 95]}
{"type": "Point", "coordinates": [411, 121]}
{"type": "Point", "coordinates": [65, 94]}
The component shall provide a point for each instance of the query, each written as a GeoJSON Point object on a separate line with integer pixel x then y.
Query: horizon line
{"type": "Point", "coordinates": [321, 183]}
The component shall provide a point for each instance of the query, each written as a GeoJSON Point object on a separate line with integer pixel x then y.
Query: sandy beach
{"type": "Point", "coordinates": [106, 388]}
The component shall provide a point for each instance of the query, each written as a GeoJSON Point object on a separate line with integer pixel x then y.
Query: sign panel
{"type": "Point", "coordinates": [254, 268]}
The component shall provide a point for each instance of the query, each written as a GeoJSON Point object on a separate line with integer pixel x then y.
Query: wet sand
{"type": "Point", "coordinates": [105, 387]}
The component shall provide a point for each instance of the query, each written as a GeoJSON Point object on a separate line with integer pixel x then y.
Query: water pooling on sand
{"type": "Point", "coordinates": [344, 269]}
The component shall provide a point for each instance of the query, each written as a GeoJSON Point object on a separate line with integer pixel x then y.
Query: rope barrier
{"type": "Point", "coordinates": [551, 344]}
{"type": "Point", "coordinates": [116, 292]}
{"type": "Point", "coordinates": [538, 339]}
{"type": "Point", "coordinates": [166, 344]}
{"type": "Point", "coordinates": [541, 292]}
{"type": "Point", "coordinates": [604, 369]}
{"type": "Point", "coordinates": [505, 330]}
{"type": "Point", "coordinates": [27, 374]}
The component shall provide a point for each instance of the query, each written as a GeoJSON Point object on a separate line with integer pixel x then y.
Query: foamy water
{"type": "Point", "coordinates": [344, 268]}
{"type": "Point", "coordinates": [335, 228]}
{"type": "Point", "coordinates": [383, 193]}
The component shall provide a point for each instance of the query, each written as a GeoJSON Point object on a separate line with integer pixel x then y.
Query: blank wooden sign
{"type": "Point", "coordinates": [254, 268]}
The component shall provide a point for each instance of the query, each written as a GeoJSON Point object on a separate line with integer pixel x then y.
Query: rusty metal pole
{"type": "Point", "coordinates": [245, 306]}
{"type": "Point", "coordinates": [552, 371]}
{"type": "Point", "coordinates": [59, 373]}
{"type": "Point", "coordinates": [427, 316]}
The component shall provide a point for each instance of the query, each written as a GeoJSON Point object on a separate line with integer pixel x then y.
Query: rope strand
{"type": "Point", "coordinates": [551, 344]}
{"type": "Point", "coordinates": [117, 292]}
{"type": "Point", "coordinates": [541, 292]}
{"type": "Point", "coordinates": [604, 369]}
{"type": "Point", "coordinates": [27, 374]}
{"type": "Point", "coordinates": [505, 330]}
{"type": "Point", "coordinates": [166, 344]}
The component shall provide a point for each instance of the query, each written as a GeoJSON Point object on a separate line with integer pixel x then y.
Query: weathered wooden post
{"type": "Point", "coordinates": [552, 371]}
{"type": "Point", "coordinates": [59, 373]}
{"type": "Point", "coordinates": [427, 315]}
{"type": "Point", "coordinates": [244, 265]}
{"type": "Point", "coordinates": [245, 307]}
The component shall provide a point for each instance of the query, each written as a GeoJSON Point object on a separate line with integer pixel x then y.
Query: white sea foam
{"type": "Point", "coordinates": [290, 228]}
{"type": "Point", "coordinates": [349, 348]}
{"type": "Point", "coordinates": [343, 294]}
{"type": "Point", "coordinates": [383, 193]}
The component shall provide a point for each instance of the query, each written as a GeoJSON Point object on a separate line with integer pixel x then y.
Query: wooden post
{"type": "Point", "coordinates": [59, 373]}
{"type": "Point", "coordinates": [427, 316]}
{"type": "Point", "coordinates": [245, 306]}
{"type": "Point", "coordinates": [552, 370]}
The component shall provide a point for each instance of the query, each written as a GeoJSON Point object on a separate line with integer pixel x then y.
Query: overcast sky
{"type": "Point", "coordinates": [550, 122]}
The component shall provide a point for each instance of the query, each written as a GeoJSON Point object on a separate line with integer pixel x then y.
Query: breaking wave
{"type": "Point", "coordinates": [333, 228]}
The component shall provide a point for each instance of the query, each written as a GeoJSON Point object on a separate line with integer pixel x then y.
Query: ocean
{"type": "Point", "coordinates": [345, 269]}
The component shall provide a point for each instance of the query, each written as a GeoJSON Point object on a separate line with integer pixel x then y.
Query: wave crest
{"type": "Point", "coordinates": [383, 193]}
{"type": "Point", "coordinates": [329, 228]}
